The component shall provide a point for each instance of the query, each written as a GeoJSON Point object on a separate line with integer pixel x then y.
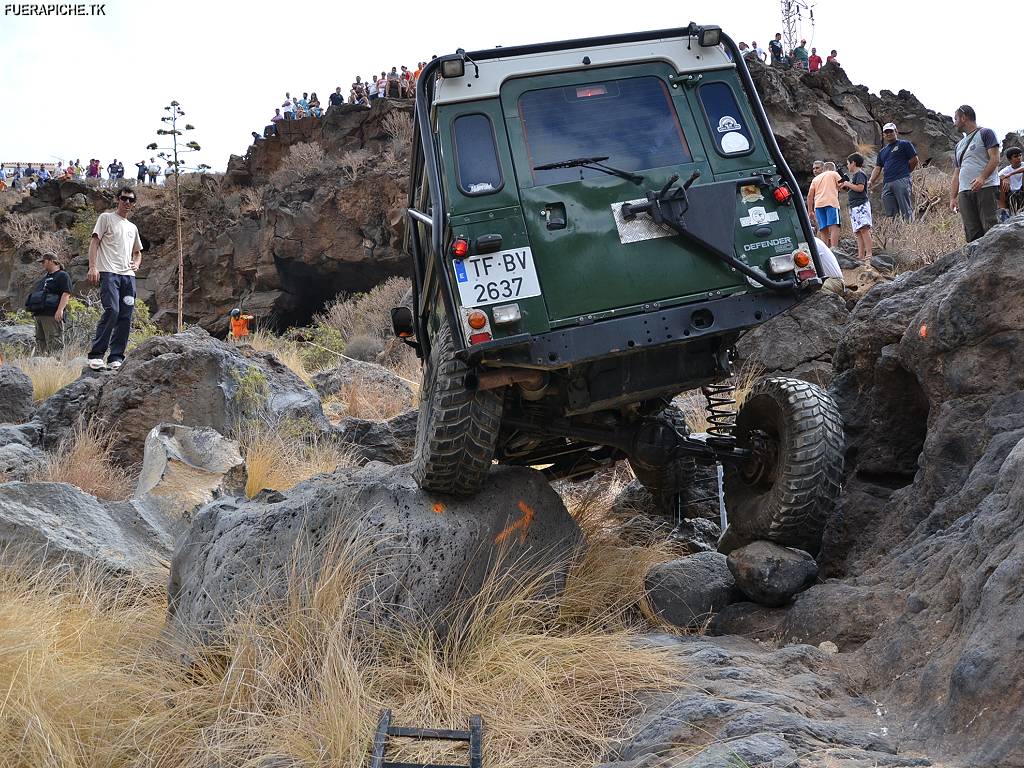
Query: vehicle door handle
{"type": "Point", "coordinates": [554, 215]}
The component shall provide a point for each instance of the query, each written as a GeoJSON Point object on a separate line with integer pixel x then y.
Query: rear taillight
{"type": "Point", "coordinates": [782, 194]}
{"type": "Point", "coordinates": [460, 248]}
{"type": "Point", "coordinates": [476, 338]}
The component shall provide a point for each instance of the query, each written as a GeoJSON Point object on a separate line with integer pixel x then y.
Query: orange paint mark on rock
{"type": "Point", "coordinates": [522, 525]}
{"type": "Point", "coordinates": [438, 508]}
{"type": "Point", "coordinates": [923, 332]}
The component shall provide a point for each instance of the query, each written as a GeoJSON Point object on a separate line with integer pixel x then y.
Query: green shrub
{"type": "Point", "coordinates": [16, 317]}
{"type": "Point", "coordinates": [81, 232]}
{"type": "Point", "coordinates": [143, 326]}
{"type": "Point", "coordinates": [321, 344]}
{"type": "Point", "coordinates": [364, 347]}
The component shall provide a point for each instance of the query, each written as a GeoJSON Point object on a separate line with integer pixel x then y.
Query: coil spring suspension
{"type": "Point", "coordinates": [721, 411]}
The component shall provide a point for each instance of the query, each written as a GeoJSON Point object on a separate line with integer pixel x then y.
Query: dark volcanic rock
{"type": "Point", "coordinates": [686, 592]}
{"type": "Point", "coordinates": [930, 382]}
{"type": "Point", "coordinates": [770, 574]}
{"type": "Point", "coordinates": [425, 551]}
{"type": "Point", "coordinates": [798, 343]}
{"type": "Point", "coordinates": [16, 403]}
{"type": "Point", "coordinates": [392, 441]}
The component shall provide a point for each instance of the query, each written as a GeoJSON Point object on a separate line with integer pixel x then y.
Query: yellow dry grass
{"type": "Point", "coordinates": [694, 404]}
{"type": "Point", "coordinates": [279, 456]}
{"type": "Point", "coordinates": [87, 683]}
{"type": "Point", "coordinates": [288, 352]}
{"type": "Point", "coordinates": [364, 401]}
{"type": "Point", "coordinates": [48, 374]}
{"type": "Point", "coordinates": [85, 459]}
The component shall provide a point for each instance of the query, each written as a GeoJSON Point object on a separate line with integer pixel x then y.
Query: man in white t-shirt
{"type": "Point", "coordinates": [833, 276]}
{"type": "Point", "coordinates": [115, 252]}
{"type": "Point", "coordinates": [1011, 185]}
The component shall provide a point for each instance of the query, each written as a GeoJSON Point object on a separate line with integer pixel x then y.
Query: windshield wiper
{"type": "Point", "coordinates": [594, 163]}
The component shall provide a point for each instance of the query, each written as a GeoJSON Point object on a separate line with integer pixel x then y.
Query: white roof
{"type": "Point", "coordinates": [494, 72]}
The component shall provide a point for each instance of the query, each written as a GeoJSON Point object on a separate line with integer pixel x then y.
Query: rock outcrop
{"type": "Point", "coordinates": [929, 535]}
{"type": "Point", "coordinates": [427, 551]}
{"type": "Point", "coordinates": [823, 116]}
{"type": "Point", "coordinates": [187, 378]}
{"type": "Point", "coordinates": [56, 521]}
{"type": "Point", "coordinates": [15, 395]}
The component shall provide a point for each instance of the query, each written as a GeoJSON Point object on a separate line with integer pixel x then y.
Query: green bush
{"type": "Point", "coordinates": [81, 231]}
{"type": "Point", "coordinates": [143, 326]}
{"type": "Point", "coordinates": [320, 345]}
{"type": "Point", "coordinates": [16, 317]}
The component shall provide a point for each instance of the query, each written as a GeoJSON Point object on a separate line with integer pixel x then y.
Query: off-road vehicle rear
{"type": "Point", "coordinates": [592, 224]}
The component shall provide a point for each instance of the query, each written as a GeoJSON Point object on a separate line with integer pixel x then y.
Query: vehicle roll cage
{"type": "Point", "coordinates": [429, 159]}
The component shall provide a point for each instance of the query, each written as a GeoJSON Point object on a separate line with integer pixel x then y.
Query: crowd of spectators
{"type": "Point", "coordinates": [795, 58]}
{"type": "Point", "coordinates": [29, 176]}
{"type": "Point", "coordinates": [399, 83]}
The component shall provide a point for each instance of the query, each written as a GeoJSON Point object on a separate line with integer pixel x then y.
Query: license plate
{"type": "Point", "coordinates": [496, 277]}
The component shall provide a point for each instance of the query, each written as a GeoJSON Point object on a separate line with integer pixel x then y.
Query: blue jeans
{"type": "Point", "coordinates": [117, 294]}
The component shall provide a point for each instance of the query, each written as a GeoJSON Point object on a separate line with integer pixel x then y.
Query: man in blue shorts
{"type": "Point", "coordinates": [895, 162]}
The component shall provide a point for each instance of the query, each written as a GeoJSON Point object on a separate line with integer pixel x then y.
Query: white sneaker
{"type": "Point", "coordinates": [115, 364]}
{"type": "Point", "coordinates": [96, 363]}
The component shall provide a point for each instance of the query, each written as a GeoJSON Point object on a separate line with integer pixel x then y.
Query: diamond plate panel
{"type": "Point", "coordinates": [641, 228]}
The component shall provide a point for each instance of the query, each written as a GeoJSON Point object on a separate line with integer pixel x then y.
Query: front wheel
{"type": "Point", "coordinates": [787, 489]}
{"type": "Point", "coordinates": [457, 429]}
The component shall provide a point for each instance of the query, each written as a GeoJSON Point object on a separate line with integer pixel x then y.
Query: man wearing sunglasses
{"type": "Point", "coordinates": [115, 252]}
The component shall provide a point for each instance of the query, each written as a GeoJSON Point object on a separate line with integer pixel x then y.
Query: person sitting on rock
{"type": "Point", "coordinates": [314, 105]}
{"type": "Point", "coordinates": [1011, 185]}
{"type": "Point", "coordinates": [832, 58]}
{"type": "Point", "coordinates": [238, 325]}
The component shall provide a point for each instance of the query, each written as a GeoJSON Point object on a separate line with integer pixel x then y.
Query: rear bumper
{"type": "Point", "coordinates": [624, 335]}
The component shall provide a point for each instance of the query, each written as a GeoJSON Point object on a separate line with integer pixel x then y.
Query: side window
{"type": "Point", "coordinates": [725, 121]}
{"type": "Point", "coordinates": [476, 156]}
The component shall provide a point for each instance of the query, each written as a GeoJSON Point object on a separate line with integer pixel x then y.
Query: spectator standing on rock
{"type": "Point", "coordinates": [1011, 185]}
{"type": "Point", "coordinates": [975, 187]}
{"type": "Point", "coordinates": [895, 162]}
{"type": "Point", "coordinates": [775, 48]}
{"type": "Point", "coordinates": [47, 304]}
{"type": "Point", "coordinates": [814, 62]}
{"type": "Point", "coordinates": [337, 98]}
{"type": "Point", "coordinates": [153, 170]}
{"type": "Point", "coordinates": [288, 107]}
{"type": "Point", "coordinates": [115, 252]}
{"type": "Point", "coordinates": [860, 206]}
{"type": "Point", "coordinates": [823, 203]}
{"type": "Point", "coordinates": [141, 165]}
{"type": "Point", "coordinates": [758, 53]}
{"type": "Point", "coordinates": [800, 55]}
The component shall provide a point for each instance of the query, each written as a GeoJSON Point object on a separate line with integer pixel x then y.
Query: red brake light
{"type": "Point", "coordinates": [460, 248]}
{"type": "Point", "coordinates": [781, 194]}
{"type": "Point", "coordinates": [591, 90]}
{"type": "Point", "coordinates": [476, 338]}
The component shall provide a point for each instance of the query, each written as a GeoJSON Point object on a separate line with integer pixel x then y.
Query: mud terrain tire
{"type": "Point", "coordinates": [457, 428]}
{"type": "Point", "coordinates": [666, 480]}
{"type": "Point", "coordinates": [786, 492]}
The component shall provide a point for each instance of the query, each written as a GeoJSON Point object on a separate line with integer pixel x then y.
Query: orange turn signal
{"type": "Point", "coordinates": [477, 320]}
{"type": "Point", "coordinates": [801, 259]}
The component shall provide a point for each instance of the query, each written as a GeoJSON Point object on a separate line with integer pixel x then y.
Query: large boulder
{"type": "Point", "coordinates": [16, 403]}
{"type": "Point", "coordinates": [771, 574]}
{"type": "Point", "coordinates": [20, 456]}
{"type": "Point", "coordinates": [186, 467]}
{"type": "Point", "coordinates": [363, 376]}
{"type": "Point", "coordinates": [17, 338]}
{"type": "Point", "coordinates": [60, 413]}
{"type": "Point", "coordinates": [929, 538]}
{"type": "Point", "coordinates": [56, 521]}
{"type": "Point", "coordinates": [798, 343]}
{"type": "Point", "coordinates": [392, 441]}
{"type": "Point", "coordinates": [422, 551]}
{"type": "Point", "coordinates": [688, 591]}
{"type": "Point", "coordinates": [195, 380]}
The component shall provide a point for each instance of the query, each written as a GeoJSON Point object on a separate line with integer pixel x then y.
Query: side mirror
{"type": "Point", "coordinates": [401, 322]}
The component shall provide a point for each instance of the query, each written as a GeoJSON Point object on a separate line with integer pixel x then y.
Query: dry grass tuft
{"type": "Point", "coordinates": [363, 400]}
{"type": "Point", "coordinates": [48, 374]}
{"type": "Point", "coordinates": [351, 163]}
{"type": "Point", "coordinates": [304, 159]}
{"type": "Point", "coordinates": [366, 314]}
{"type": "Point", "coordinates": [279, 456]}
{"type": "Point", "coordinates": [87, 680]}
{"type": "Point", "coordinates": [694, 404]}
{"type": "Point", "coordinates": [85, 459]}
{"type": "Point", "coordinates": [288, 352]}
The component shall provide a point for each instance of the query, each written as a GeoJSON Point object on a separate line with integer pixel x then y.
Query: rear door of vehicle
{"type": "Point", "coordinates": [589, 260]}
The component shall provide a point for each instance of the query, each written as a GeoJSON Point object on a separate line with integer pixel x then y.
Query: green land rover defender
{"type": "Point", "coordinates": [592, 225]}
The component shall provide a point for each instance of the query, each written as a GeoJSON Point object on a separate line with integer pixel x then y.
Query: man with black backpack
{"type": "Point", "coordinates": [47, 304]}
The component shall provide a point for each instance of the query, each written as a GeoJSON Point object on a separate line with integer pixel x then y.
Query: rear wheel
{"type": "Point", "coordinates": [457, 429]}
{"type": "Point", "coordinates": [787, 489]}
{"type": "Point", "coordinates": [664, 481]}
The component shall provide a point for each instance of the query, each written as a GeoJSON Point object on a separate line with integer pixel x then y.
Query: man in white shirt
{"type": "Point", "coordinates": [115, 252]}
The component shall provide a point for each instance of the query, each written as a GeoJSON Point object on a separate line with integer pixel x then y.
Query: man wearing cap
{"type": "Point", "coordinates": [47, 304]}
{"type": "Point", "coordinates": [895, 162]}
{"type": "Point", "coordinates": [975, 187]}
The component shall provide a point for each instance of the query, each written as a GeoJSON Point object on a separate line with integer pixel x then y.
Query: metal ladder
{"type": "Point", "coordinates": [385, 730]}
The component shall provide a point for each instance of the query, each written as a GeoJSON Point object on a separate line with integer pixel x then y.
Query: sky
{"type": "Point", "coordinates": [95, 85]}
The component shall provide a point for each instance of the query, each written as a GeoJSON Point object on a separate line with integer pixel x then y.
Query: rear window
{"type": "Point", "coordinates": [726, 123]}
{"type": "Point", "coordinates": [632, 122]}
{"type": "Point", "coordinates": [476, 156]}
